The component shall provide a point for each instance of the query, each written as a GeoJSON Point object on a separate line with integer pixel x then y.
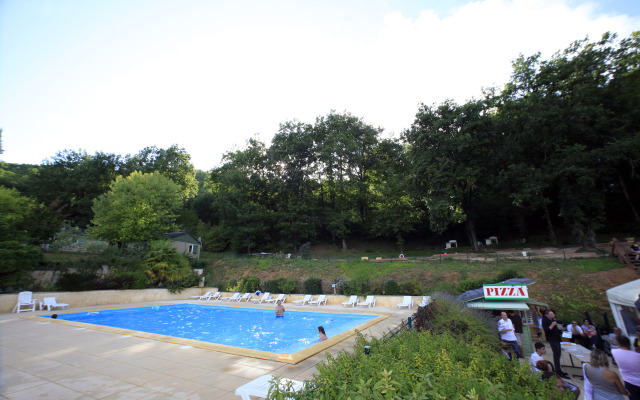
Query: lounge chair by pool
{"type": "Point", "coordinates": [307, 299]}
{"type": "Point", "coordinates": [353, 300]}
{"type": "Point", "coordinates": [49, 302]}
{"type": "Point", "coordinates": [425, 300]}
{"type": "Point", "coordinates": [205, 296]}
{"type": "Point", "coordinates": [235, 297]}
{"type": "Point", "coordinates": [407, 301]}
{"type": "Point", "coordinates": [322, 299]}
{"type": "Point", "coordinates": [369, 302]}
{"type": "Point", "coordinates": [246, 297]}
{"type": "Point", "coordinates": [281, 297]}
{"type": "Point", "coordinates": [265, 296]}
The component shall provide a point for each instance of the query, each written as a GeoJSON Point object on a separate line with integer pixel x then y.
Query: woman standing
{"type": "Point", "coordinates": [606, 384]}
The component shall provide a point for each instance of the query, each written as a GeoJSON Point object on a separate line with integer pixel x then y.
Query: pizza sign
{"type": "Point", "coordinates": [510, 292]}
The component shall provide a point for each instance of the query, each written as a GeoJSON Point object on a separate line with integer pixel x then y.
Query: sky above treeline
{"type": "Point", "coordinates": [120, 75]}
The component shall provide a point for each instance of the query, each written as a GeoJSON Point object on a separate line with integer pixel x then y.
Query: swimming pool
{"type": "Point", "coordinates": [238, 327]}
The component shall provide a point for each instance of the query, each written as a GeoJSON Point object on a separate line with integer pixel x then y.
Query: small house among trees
{"type": "Point", "coordinates": [185, 243]}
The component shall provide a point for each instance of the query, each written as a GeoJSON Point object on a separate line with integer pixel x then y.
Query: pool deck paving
{"type": "Point", "coordinates": [48, 360]}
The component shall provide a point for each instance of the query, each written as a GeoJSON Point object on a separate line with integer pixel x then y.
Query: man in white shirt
{"type": "Point", "coordinates": [577, 334]}
{"type": "Point", "coordinates": [537, 355]}
{"type": "Point", "coordinates": [507, 333]}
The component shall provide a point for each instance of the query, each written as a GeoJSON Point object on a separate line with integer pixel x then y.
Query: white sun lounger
{"type": "Point", "coordinates": [216, 296]}
{"type": "Point", "coordinates": [425, 300]}
{"type": "Point", "coordinates": [322, 299]}
{"type": "Point", "coordinates": [205, 296]}
{"type": "Point", "coordinates": [246, 297]}
{"type": "Point", "coordinates": [353, 300]}
{"type": "Point", "coordinates": [25, 299]}
{"type": "Point", "coordinates": [275, 300]}
{"type": "Point", "coordinates": [259, 387]}
{"type": "Point", "coordinates": [369, 302]}
{"type": "Point", "coordinates": [307, 299]}
{"type": "Point", "coordinates": [49, 302]}
{"type": "Point", "coordinates": [407, 301]}
{"type": "Point", "coordinates": [235, 297]}
{"type": "Point", "coordinates": [265, 296]}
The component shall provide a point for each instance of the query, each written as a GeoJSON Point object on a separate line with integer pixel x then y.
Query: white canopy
{"type": "Point", "coordinates": [625, 294]}
{"type": "Point", "coordinates": [622, 299]}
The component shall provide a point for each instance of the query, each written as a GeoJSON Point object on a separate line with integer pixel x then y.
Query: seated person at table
{"type": "Point", "coordinates": [562, 386]}
{"type": "Point", "coordinates": [613, 338]}
{"type": "Point", "coordinates": [592, 333]}
{"type": "Point", "coordinates": [577, 335]}
{"type": "Point", "coordinates": [537, 355]}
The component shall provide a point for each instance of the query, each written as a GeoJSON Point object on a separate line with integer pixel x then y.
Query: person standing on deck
{"type": "Point", "coordinates": [507, 333]}
{"type": "Point", "coordinates": [552, 333]}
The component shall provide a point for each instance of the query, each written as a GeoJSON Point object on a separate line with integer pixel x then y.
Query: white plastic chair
{"type": "Point", "coordinates": [246, 297]}
{"type": "Point", "coordinates": [25, 299]}
{"type": "Point", "coordinates": [407, 301]}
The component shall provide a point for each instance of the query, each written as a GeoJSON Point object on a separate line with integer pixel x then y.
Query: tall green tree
{"type": "Point", "coordinates": [68, 183]}
{"type": "Point", "coordinates": [16, 256]}
{"type": "Point", "coordinates": [242, 197]}
{"type": "Point", "coordinates": [452, 162]}
{"type": "Point", "coordinates": [291, 163]}
{"type": "Point", "coordinates": [174, 163]}
{"type": "Point", "coordinates": [567, 115]}
{"type": "Point", "coordinates": [345, 147]}
{"type": "Point", "coordinates": [137, 208]}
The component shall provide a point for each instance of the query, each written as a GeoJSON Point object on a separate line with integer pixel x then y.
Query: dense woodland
{"type": "Point", "coordinates": [555, 152]}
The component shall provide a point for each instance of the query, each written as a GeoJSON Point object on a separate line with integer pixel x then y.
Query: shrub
{"type": "Point", "coordinates": [249, 284]}
{"type": "Point", "coordinates": [413, 288]}
{"type": "Point", "coordinates": [358, 285]}
{"type": "Point", "coordinates": [305, 251]}
{"type": "Point", "coordinates": [507, 274]}
{"type": "Point", "coordinates": [445, 361]}
{"type": "Point", "coordinates": [77, 281]}
{"type": "Point", "coordinates": [231, 286]}
{"type": "Point", "coordinates": [313, 285]}
{"type": "Point", "coordinates": [341, 286]}
{"type": "Point", "coordinates": [118, 279]}
{"type": "Point", "coordinates": [281, 285]}
{"type": "Point", "coordinates": [391, 288]}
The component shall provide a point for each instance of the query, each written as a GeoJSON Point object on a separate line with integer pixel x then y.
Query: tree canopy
{"type": "Point", "coordinates": [137, 208]}
{"type": "Point", "coordinates": [552, 153]}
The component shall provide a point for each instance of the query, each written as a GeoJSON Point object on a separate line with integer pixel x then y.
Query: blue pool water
{"type": "Point", "coordinates": [250, 328]}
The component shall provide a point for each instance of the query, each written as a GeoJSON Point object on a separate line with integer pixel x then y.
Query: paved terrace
{"type": "Point", "coordinates": [47, 360]}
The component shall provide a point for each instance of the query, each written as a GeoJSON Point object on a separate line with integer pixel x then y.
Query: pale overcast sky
{"type": "Point", "coordinates": [119, 75]}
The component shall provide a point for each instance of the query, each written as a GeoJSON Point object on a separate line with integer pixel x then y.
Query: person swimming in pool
{"type": "Point", "coordinates": [279, 309]}
{"type": "Point", "coordinates": [323, 336]}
